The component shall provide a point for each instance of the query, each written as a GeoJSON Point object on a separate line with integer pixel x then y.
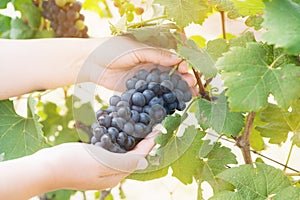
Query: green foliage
{"type": "Point", "coordinates": [279, 122]}
{"type": "Point", "coordinates": [60, 194]}
{"type": "Point", "coordinates": [184, 12]}
{"type": "Point", "coordinates": [281, 20]}
{"type": "Point", "coordinates": [250, 81]}
{"type": "Point", "coordinates": [217, 115]}
{"type": "Point", "coordinates": [19, 136]}
{"type": "Point", "coordinates": [253, 183]}
{"type": "Point", "coordinates": [98, 6]}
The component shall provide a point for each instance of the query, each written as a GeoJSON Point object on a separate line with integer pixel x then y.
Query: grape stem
{"type": "Point", "coordinates": [243, 141]}
{"type": "Point", "coordinates": [202, 92]}
{"type": "Point", "coordinates": [288, 158]}
{"type": "Point", "coordinates": [223, 24]}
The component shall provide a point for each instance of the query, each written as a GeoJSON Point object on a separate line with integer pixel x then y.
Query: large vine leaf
{"type": "Point", "coordinates": [19, 30]}
{"type": "Point", "coordinates": [217, 115]}
{"type": "Point", "coordinates": [252, 73]}
{"type": "Point", "coordinates": [184, 12]}
{"type": "Point", "coordinates": [253, 183]}
{"type": "Point", "coordinates": [280, 122]}
{"type": "Point", "coordinates": [249, 7]}
{"type": "Point", "coordinates": [199, 59]}
{"type": "Point", "coordinates": [3, 3]}
{"type": "Point", "coordinates": [214, 159]}
{"type": "Point", "coordinates": [19, 136]}
{"type": "Point", "coordinates": [288, 194]}
{"type": "Point", "coordinates": [283, 24]}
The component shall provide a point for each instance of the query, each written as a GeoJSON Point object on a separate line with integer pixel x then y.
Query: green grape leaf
{"type": "Point", "coordinates": [171, 123]}
{"type": "Point", "coordinates": [19, 30]}
{"type": "Point", "coordinates": [98, 6]}
{"type": "Point", "coordinates": [31, 13]}
{"type": "Point", "coordinates": [250, 77]}
{"type": "Point", "coordinates": [159, 36]}
{"type": "Point", "coordinates": [199, 40]}
{"type": "Point", "coordinates": [189, 161]}
{"type": "Point", "coordinates": [217, 115]}
{"type": "Point", "coordinates": [255, 21]}
{"type": "Point", "coordinates": [184, 12]}
{"type": "Point", "coordinates": [3, 3]}
{"type": "Point", "coordinates": [59, 127]}
{"type": "Point", "coordinates": [249, 7]}
{"type": "Point", "coordinates": [253, 183]}
{"type": "Point", "coordinates": [216, 48]}
{"type": "Point", "coordinates": [60, 194]}
{"type": "Point", "coordinates": [242, 40]}
{"type": "Point", "coordinates": [256, 140]}
{"type": "Point", "coordinates": [19, 136]}
{"type": "Point", "coordinates": [288, 194]}
{"type": "Point", "coordinates": [4, 24]}
{"type": "Point", "coordinates": [199, 59]}
{"type": "Point", "coordinates": [282, 24]}
{"type": "Point", "coordinates": [226, 6]}
{"type": "Point", "coordinates": [214, 163]}
{"type": "Point", "coordinates": [280, 122]}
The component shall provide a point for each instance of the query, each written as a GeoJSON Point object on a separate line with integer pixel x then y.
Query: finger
{"type": "Point", "coordinates": [183, 67]}
{"type": "Point", "coordinates": [145, 146]}
{"type": "Point", "coordinates": [190, 79]}
{"type": "Point", "coordinates": [157, 56]}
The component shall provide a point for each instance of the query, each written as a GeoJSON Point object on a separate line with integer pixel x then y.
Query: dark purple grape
{"type": "Point", "coordinates": [179, 94]}
{"type": "Point", "coordinates": [166, 86]}
{"type": "Point", "coordinates": [114, 100]}
{"type": "Point", "coordinates": [187, 96]}
{"type": "Point", "coordinates": [142, 74]}
{"type": "Point", "coordinates": [137, 108]}
{"type": "Point", "coordinates": [128, 128]}
{"type": "Point", "coordinates": [152, 78]}
{"type": "Point", "coordinates": [122, 138]}
{"type": "Point", "coordinates": [141, 85]}
{"type": "Point", "coordinates": [147, 109]}
{"type": "Point", "coordinates": [111, 109]}
{"type": "Point", "coordinates": [130, 83]}
{"type": "Point", "coordinates": [156, 100]}
{"type": "Point", "coordinates": [145, 118]}
{"type": "Point", "coordinates": [100, 113]}
{"type": "Point", "coordinates": [164, 76]}
{"type": "Point", "coordinates": [148, 94]}
{"type": "Point", "coordinates": [123, 104]}
{"type": "Point", "coordinates": [182, 85]}
{"type": "Point", "coordinates": [124, 112]}
{"type": "Point", "coordinates": [181, 106]}
{"type": "Point", "coordinates": [155, 87]}
{"type": "Point", "coordinates": [130, 144]}
{"type": "Point", "coordinates": [138, 99]}
{"type": "Point", "coordinates": [139, 129]}
{"type": "Point", "coordinates": [135, 115]}
{"type": "Point", "coordinates": [157, 113]}
{"type": "Point", "coordinates": [112, 131]}
{"type": "Point", "coordinates": [94, 140]}
{"type": "Point", "coordinates": [169, 97]}
{"type": "Point", "coordinates": [104, 120]}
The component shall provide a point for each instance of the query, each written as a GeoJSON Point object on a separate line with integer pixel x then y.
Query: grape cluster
{"type": "Point", "coordinates": [65, 18]}
{"type": "Point", "coordinates": [125, 7]}
{"type": "Point", "coordinates": [149, 97]}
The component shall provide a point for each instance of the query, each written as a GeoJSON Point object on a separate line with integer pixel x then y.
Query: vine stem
{"type": "Point", "coordinates": [274, 62]}
{"type": "Point", "coordinates": [288, 158]}
{"type": "Point", "coordinates": [203, 93]}
{"type": "Point", "coordinates": [223, 24]}
{"type": "Point", "coordinates": [243, 141]}
{"type": "Point", "coordinates": [140, 24]}
{"type": "Point", "coordinates": [292, 174]}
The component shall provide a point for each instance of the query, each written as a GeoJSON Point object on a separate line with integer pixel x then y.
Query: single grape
{"type": "Point", "coordinates": [179, 94]}
{"type": "Point", "coordinates": [152, 77]}
{"type": "Point", "coordinates": [181, 106]}
{"type": "Point", "coordinates": [104, 120]}
{"type": "Point", "coordinates": [129, 16]}
{"type": "Point", "coordinates": [169, 97]}
{"type": "Point", "coordinates": [112, 131]}
{"type": "Point", "coordinates": [60, 3]}
{"type": "Point", "coordinates": [157, 113]}
{"type": "Point", "coordinates": [130, 143]}
{"type": "Point", "coordinates": [156, 100]}
{"type": "Point", "coordinates": [79, 23]}
{"type": "Point", "coordinates": [100, 113]}
{"type": "Point", "coordinates": [155, 87]}
{"type": "Point", "coordinates": [76, 6]}
{"type": "Point", "coordinates": [124, 112]}
{"type": "Point", "coordinates": [94, 140]}
{"type": "Point", "coordinates": [135, 115]}
{"type": "Point", "coordinates": [175, 78]}
{"type": "Point", "coordinates": [164, 76]}
{"type": "Point", "coordinates": [139, 129]}
{"type": "Point", "coordinates": [126, 96]}
{"type": "Point", "coordinates": [148, 94]}
{"type": "Point", "coordinates": [166, 84]}
{"type": "Point", "coordinates": [130, 83]}
{"type": "Point", "coordinates": [138, 99]}
{"type": "Point", "coordinates": [122, 138]}
{"type": "Point", "coordinates": [187, 96]}
{"type": "Point", "coordinates": [146, 109]}
{"type": "Point", "coordinates": [142, 74]}
{"type": "Point", "coordinates": [114, 100]}
{"type": "Point", "coordinates": [141, 85]}
{"type": "Point", "coordinates": [139, 10]}
{"type": "Point", "coordinates": [122, 104]}
{"type": "Point", "coordinates": [111, 109]}
{"type": "Point", "coordinates": [182, 85]}
{"type": "Point", "coordinates": [128, 128]}
{"type": "Point", "coordinates": [145, 118]}
{"type": "Point", "coordinates": [137, 108]}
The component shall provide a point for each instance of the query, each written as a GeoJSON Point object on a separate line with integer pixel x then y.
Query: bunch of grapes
{"type": "Point", "coordinates": [149, 97]}
{"type": "Point", "coordinates": [125, 7]}
{"type": "Point", "coordinates": [65, 18]}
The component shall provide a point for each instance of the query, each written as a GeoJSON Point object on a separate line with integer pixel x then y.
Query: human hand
{"type": "Point", "coordinates": [119, 58]}
{"type": "Point", "coordinates": [82, 166]}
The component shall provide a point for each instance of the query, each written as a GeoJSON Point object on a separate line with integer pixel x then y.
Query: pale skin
{"type": "Point", "coordinates": [32, 65]}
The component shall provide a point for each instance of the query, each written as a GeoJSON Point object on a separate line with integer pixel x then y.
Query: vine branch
{"type": "Point", "coordinates": [243, 141]}
{"type": "Point", "coordinates": [223, 24]}
{"type": "Point", "coordinates": [288, 158]}
{"type": "Point", "coordinates": [203, 93]}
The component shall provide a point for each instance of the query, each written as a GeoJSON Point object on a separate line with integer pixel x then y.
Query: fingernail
{"type": "Point", "coordinates": [142, 164]}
